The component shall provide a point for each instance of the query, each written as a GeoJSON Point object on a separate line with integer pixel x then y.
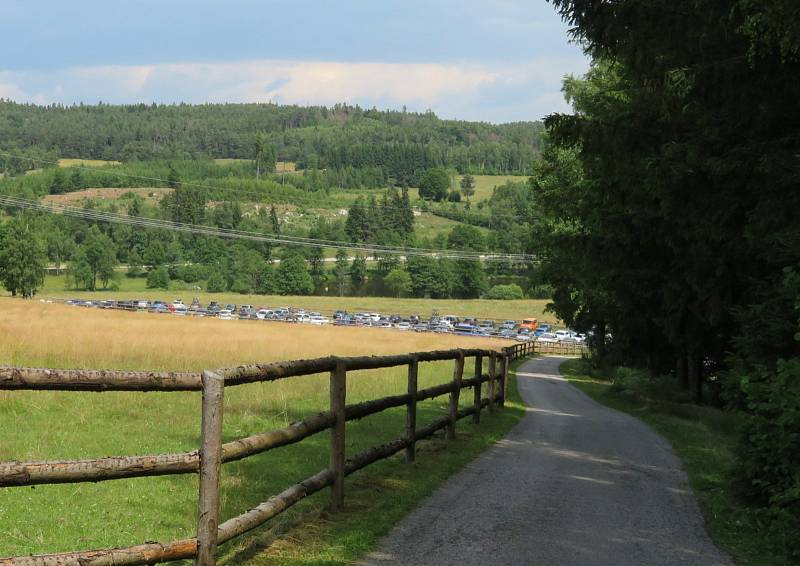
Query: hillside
{"type": "Point", "coordinates": [401, 143]}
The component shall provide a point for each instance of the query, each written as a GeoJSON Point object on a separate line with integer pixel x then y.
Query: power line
{"type": "Point", "coordinates": [94, 215]}
{"type": "Point", "coordinates": [309, 202]}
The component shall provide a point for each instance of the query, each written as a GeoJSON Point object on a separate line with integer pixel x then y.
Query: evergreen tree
{"type": "Point", "coordinates": [316, 261]}
{"type": "Point", "coordinates": [358, 271]}
{"type": "Point", "coordinates": [340, 271]}
{"type": "Point", "coordinates": [273, 217]}
{"type": "Point", "coordinates": [468, 185]}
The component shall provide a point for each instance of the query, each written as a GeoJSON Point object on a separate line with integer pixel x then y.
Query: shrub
{"type": "Point", "coordinates": [216, 282]}
{"type": "Point", "coordinates": [505, 292]}
{"type": "Point", "coordinates": [158, 278]}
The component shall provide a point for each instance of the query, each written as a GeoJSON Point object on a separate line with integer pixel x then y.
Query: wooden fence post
{"type": "Point", "coordinates": [411, 411]}
{"type": "Point", "coordinates": [210, 464]}
{"type": "Point", "coordinates": [503, 380]}
{"type": "Point", "coordinates": [476, 416]}
{"type": "Point", "coordinates": [338, 403]}
{"type": "Point", "coordinates": [492, 374]}
{"type": "Point", "coordinates": [458, 374]}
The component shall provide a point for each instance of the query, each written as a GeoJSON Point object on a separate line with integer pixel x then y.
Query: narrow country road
{"type": "Point", "coordinates": [573, 483]}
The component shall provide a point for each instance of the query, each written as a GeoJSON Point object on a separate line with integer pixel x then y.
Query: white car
{"type": "Point", "coordinates": [403, 326]}
{"type": "Point", "coordinates": [263, 314]}
{"type": "Point", "coordinates": [225, 314]}
{"type": "Point", "coordinates": [548, 337]}
{"type": "Point", "coordinates": [318, 320]}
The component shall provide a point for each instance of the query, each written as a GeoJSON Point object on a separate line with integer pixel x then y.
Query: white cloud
{"type": "Point", "coordinates": [474, 91]}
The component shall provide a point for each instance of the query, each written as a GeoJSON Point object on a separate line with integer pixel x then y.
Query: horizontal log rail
{"type": "Point", "coordinates": [211, 532]}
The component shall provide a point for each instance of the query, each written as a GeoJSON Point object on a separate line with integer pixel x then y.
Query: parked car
{"type": "Point", "coordinates": [318, 320]}
{"type": "Point", "coordinates": [225, 314]}
{"type": "Point", "coordinates": [547, 337]}
{"type": "Point", "coordinates": [403, 325]}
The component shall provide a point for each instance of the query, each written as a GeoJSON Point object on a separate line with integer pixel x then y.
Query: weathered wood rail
{"type": "Point", "coordinates": [207, 461]}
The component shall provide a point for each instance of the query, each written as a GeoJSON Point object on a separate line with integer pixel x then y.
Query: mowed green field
{"type": "Point", "coordinates": [484, 185]}
{"type": "Point", "coordinates": [49, 425]}
{"type": "Point", "coordinates": [55, 288]}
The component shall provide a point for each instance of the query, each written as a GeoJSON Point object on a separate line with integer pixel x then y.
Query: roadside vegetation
{"type": "Point", "coordinates": [706, 440]}
{"type": "Point", "coordinates": [666, 207]}
{"type": "Point", "coordinates": [123, 512]}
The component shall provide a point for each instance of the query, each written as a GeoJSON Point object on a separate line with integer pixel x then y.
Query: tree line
{"type": "Point", "coordinates": [401, 144]}
{"type": "Point", "coordinates": [669, 213]}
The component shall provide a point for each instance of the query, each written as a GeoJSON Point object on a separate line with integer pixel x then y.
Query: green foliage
{"type": "Point", "coordinates": [23, 257]}
{"type": "Point", "coordinates": [358, 271]}
{"type": "Point", "coordinates": [466, 238]}
{"type": "Point", "coordinates": [431, 277]}
{"type": "Point", "coordinates": [95, 259]}
{"type": "Point", "coordinates": [400, 145]}
{"type": "Point", "coordinates": [340, 271]}
{"type": "Point", "coordinates": [434, 184]}
{"type": "Point", "coordinates": [469, 280]}
{"type": "Point", "coordinates": [158, 278]}
{"type": "Point", "coordinates": [467, 185]}
{"type": "Point", "coordinates": [668, 206]}
{"type": "Point", "coordinates": [505, 292]}
{"type": "Point", "coordinates": [216, 282]}
{"type": "Point", "coordinates": [398, 281]}
{"type": "Point", "coordinates": [293, 277]}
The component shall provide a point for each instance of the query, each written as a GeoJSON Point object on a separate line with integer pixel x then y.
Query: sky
{"type": "Point", "coordinates": [488, 60]}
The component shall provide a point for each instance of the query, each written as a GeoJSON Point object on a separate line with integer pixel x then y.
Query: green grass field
{"type": "Point", "coordinates": [705, 440]}
{"type": "Point", "coordinates": [60, 425]}
{"type": "Point", "coordinates": [55, 288]}
{"type": "Point", "coordinates": [485, 184]}
{"type": "Point", "coordinates": [428, 225]}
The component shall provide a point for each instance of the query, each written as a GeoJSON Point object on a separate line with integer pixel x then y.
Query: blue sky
{"type": "Point", "coordinates": [493, 60]}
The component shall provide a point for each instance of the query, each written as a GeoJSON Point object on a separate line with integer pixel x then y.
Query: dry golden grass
{"type": "Point", "coordinates": [86, 162]}
{"type": "Point", "coordinates": [54, 335]}
{"type": "Point", "coordinates": [150, 194]}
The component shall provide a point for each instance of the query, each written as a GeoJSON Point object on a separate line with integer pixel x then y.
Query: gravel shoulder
{"type": "Point", "coordinates": [573, 483]}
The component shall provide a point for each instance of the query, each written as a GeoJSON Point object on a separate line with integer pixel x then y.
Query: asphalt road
{"type": "Point", "coordinates": [573, 483]}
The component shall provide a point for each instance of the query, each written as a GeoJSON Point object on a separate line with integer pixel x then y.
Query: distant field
{"type": "Point", "coordinates": [86, 162]}
{"type": "Point", "coordinates": [280, 166]}
{"type": "Point", "coordinates": [52, 425]}
{"type": "Point", "coordinates": [428, 225]}
{"type": "Point", "coordinates": [481, 308]}
{"type": "Point", "coordinates": [106, 194]}
{"type": "Point", "coordinates": [485, 184]}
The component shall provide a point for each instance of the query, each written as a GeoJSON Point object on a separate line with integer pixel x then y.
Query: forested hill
{"type": "Point", "coordinates": [315, 136]}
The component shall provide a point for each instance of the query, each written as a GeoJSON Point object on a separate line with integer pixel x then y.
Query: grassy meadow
{"type": "Point", "coordinates": [135, 288]}
{"type": "Point", "coordinates": [54, 425]}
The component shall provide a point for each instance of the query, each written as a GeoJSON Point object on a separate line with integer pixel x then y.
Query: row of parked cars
{"type": "Point", "coordinates": [526, 330]}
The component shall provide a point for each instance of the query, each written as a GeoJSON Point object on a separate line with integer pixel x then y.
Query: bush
{"type": "Point", "coordinates": [454, 196]}
{"type": "Point", "coordinates": [770, 446]}
{"type": "Point", "coordinates": [158, 278]}
{"type": "Point", "coordinates": [505, 292]}
{"type": "Point", "coordinates": [216, 282]}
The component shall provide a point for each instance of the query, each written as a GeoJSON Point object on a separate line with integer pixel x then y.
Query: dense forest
{"type": "Point", "coordinates": [669, 214]}
{"type": "Point", "coordinates": [401, 144]}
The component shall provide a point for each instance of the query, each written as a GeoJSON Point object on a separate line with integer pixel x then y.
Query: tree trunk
{"type": "Point", "coordinates": [695, 377]}
{"type": "Point", "coordinates": [682, 370]}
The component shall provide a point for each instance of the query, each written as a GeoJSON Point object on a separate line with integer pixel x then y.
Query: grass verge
{"type": "Point", "coordinates": [704, 438]}
{"type": "Point", "coordinates": [376, 498]}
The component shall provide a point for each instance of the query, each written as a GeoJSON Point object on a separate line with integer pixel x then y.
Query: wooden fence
{"type": "Point", "coordinates": [212, 453]}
